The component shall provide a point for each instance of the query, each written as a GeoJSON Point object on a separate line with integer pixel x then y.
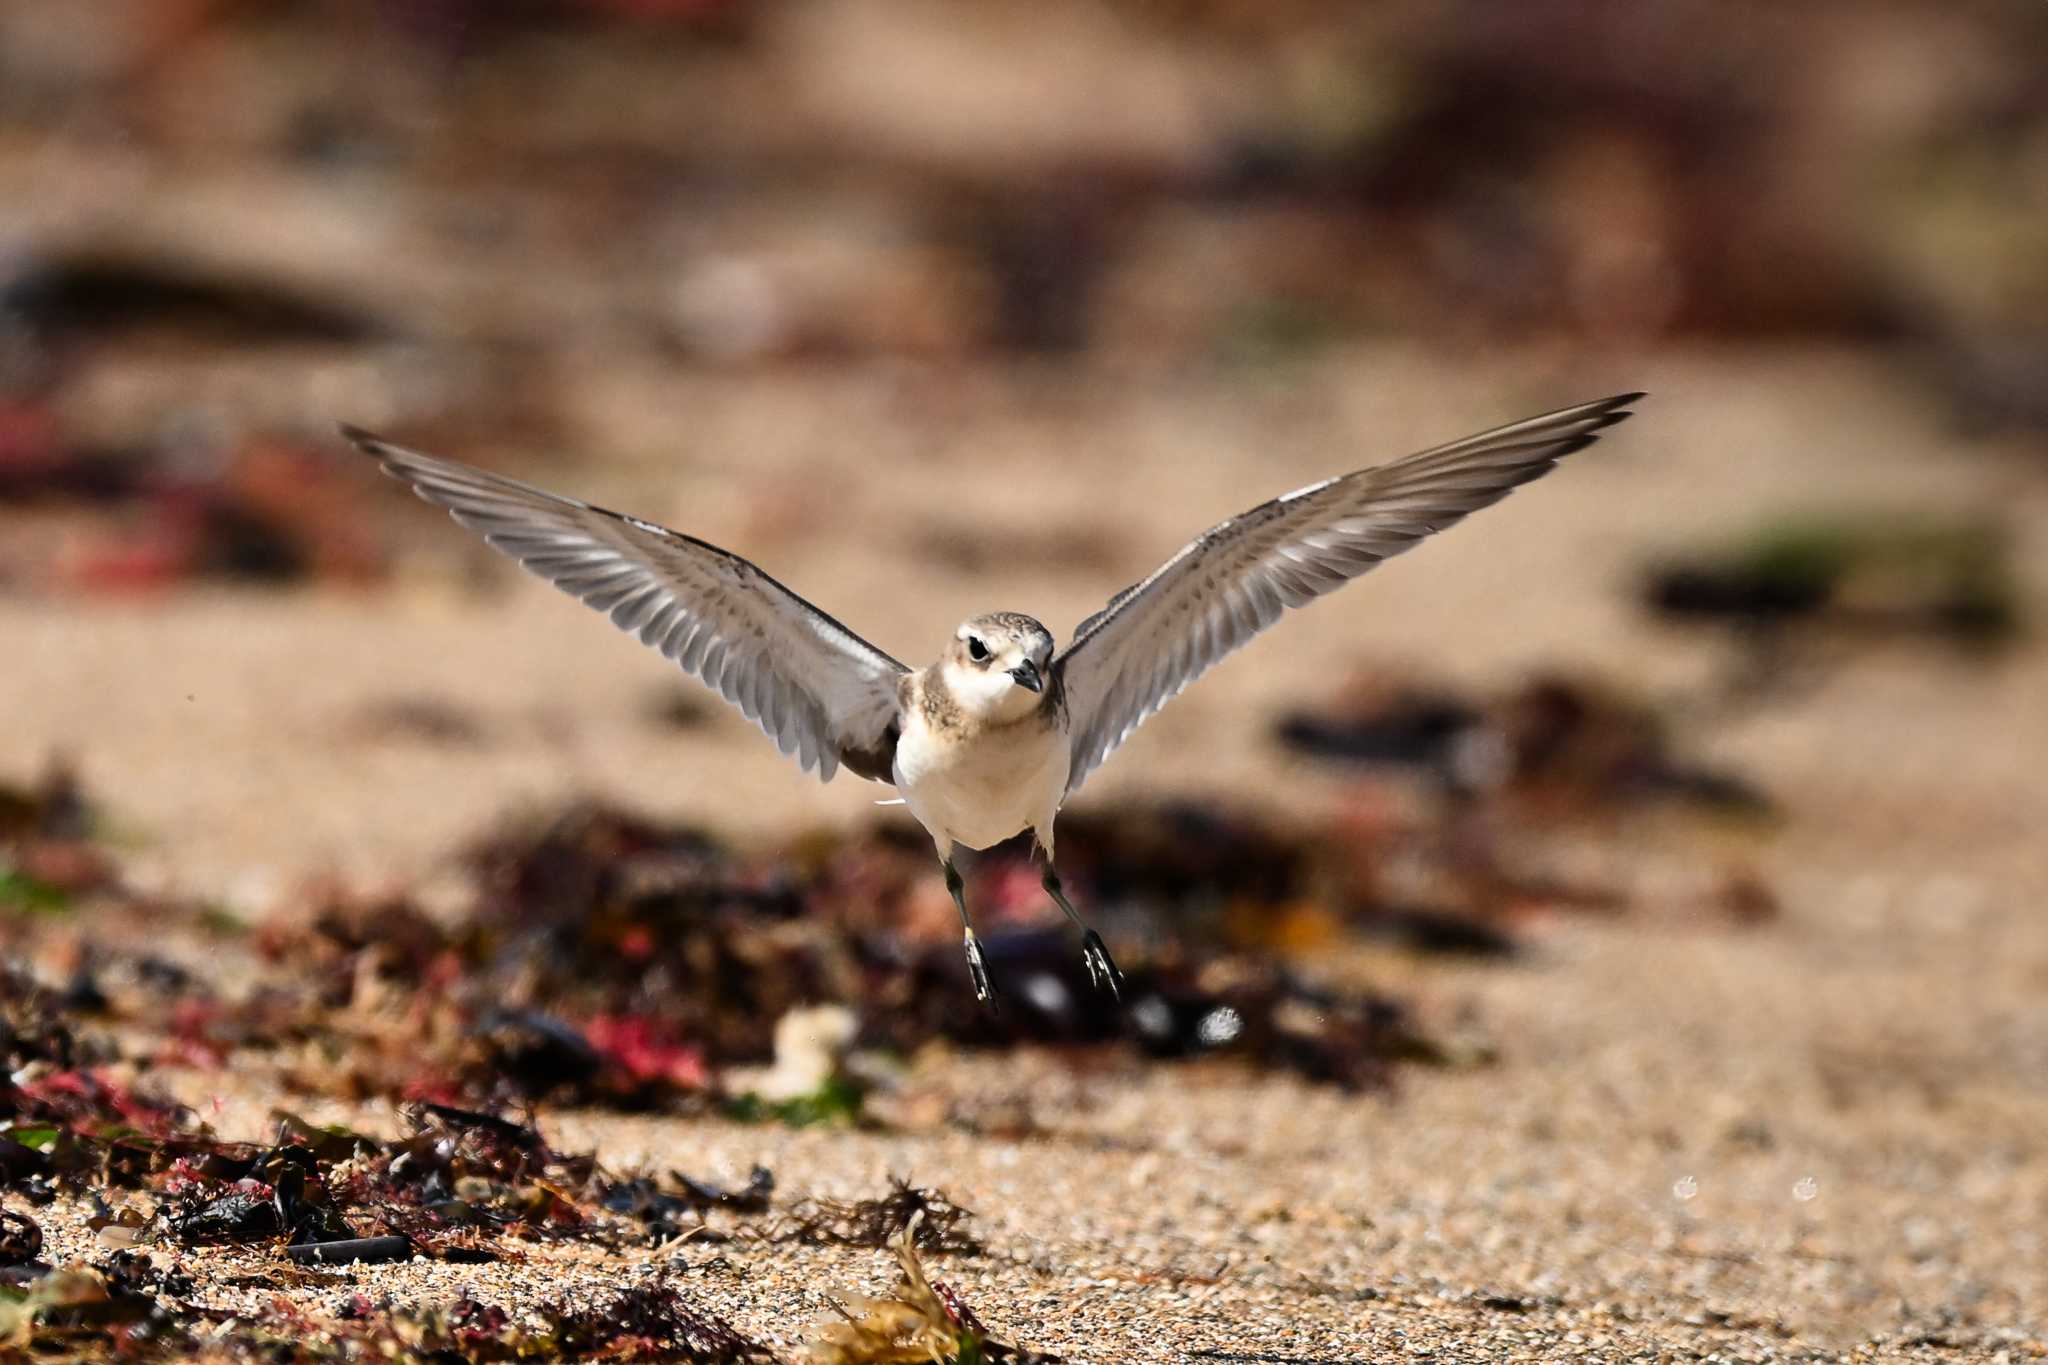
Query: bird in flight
{"type": "Point", "coordinates": [991, 739]}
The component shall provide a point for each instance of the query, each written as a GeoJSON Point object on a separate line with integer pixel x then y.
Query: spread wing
{"type": "Point", "coordinates": [1235, 579]}
{"type": "Point", "coordinates": [819, 691]}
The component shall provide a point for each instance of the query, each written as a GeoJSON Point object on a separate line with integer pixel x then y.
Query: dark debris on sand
{"type": "Point", "coordinates": [1551, 747]}
{"type": "Point", "coordinates": [1494, 776]}
{"type": "Point", "coordinates": [605, 960]}
{"type": "Point", "coordinates": [934, 1220]}
{"type": "Point", "coordinates": [126, 1309]}
{"type": "Point", "coordinates": [458, 1185]}
{"type": "Point", "coordinates": [1908, 575]}
{"type": "Point", "coordinates": [611, 960]}
{"type": "Point", "coordinates": [608, 959]}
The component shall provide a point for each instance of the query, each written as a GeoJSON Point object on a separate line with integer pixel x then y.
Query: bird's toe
{"type": "Point", "coordinates": [977, 972]}
{"type": "Point", "coordinates": [1101, 967]}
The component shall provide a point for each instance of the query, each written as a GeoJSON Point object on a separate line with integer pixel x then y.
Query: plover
{"type": "Point", "coordinates": [990, 740]}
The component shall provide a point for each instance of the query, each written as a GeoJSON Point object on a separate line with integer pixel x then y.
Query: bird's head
{"type": "Point", "coordinates": [998, 665]}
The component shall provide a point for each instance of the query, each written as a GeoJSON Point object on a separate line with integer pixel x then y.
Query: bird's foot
{"type": "Point", "coordinates": [977, 971]}
{"type": "Point", "coordinates": [1101, 968]}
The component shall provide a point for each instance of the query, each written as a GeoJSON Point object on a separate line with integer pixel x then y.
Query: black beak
{"type": "Point", "coordinates": [1026, 675]}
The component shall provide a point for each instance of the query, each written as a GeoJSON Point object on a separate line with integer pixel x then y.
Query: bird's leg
{"type": "Point", "coordinates": [977, 966]}
{"type": "Point", "coordinates": [1101, 969]}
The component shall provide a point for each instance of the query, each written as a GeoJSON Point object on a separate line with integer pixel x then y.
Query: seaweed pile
{"type": "Point", "coordinates": [451, 1187]}
{"type": "Point", "coordinates": [456, 1185]}
{"type": "Point", "coordinates": [598, 957]}
{"type": "Point", "coordinates": [262, 509]}
{"type": "Point", "coordinates": [1549, 748]}
{"type": "Point", "coordinates": [128, 1310]}
{"type": "Point", "coordinates": [1848, 580]}
{"type": "Point", "coordinates": [604, 958]}
{"type": "Point", "coordinates": [601, 958]}
{"type": "Point", "coordinates": [610, 960]}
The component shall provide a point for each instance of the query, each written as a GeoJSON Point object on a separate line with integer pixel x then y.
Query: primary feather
{"type": "Point", "coordinates": [1231, 582]}
{"type": "Point", "coordinates": [823, 694]}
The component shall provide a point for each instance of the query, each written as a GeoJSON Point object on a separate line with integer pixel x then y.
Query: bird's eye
{"type": "Point", "coordinates": [976, 650]}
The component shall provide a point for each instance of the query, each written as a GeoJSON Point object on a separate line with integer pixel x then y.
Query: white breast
{"type": "Point", "coordinates": [981, 790]}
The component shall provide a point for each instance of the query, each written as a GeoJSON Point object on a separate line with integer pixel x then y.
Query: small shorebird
{"type": "Point", "coordinates": [991, 739]}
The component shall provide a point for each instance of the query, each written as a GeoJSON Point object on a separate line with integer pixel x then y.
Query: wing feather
{"type": "Point", "coordinates": [1236, 579]}
{"type": "Point", "coordinates": [819, 691]}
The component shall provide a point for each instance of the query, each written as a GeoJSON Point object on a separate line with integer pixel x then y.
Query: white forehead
{"type": "Point", "coordinates": [997, 632]}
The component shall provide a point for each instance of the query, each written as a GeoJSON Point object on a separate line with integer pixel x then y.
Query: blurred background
{"type": "Point", "coordinates": [1706, 772]}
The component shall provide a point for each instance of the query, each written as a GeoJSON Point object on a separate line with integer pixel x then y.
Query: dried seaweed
{"type": "Point", "coordinates": [47, 860]}
{"type": "Point", "coordinates": [878, 1223]}
{"type": "Point", "coordinates": [54, 808]}
{"type": "Point", "coordinates": [1906, 576]}
{"type": "Point", "coordinates": [607, 959]}
{"type": "Point", "coordinates": [610, 960]}
{"type": "Point", "coordinates": [83, 1311]}
{"type": "Point", "coordinates": [677, 1207]}
{"type": "Point", "coordinates": [923, 1322]}
{"type": "Point", "coordinates": [453, 1184]}
{"type": "Point", "coordinates": [650, 1320]}
{"type": "Point", "coordinates": [1551, 745]}
{"type": "Point", "coordinates": [21, 1238]}
{"type": "Point", "coordinates": [129, 1307]}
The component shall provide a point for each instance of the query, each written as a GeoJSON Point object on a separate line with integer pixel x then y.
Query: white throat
{"type": "Point", "coordinates": [987, 694]}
